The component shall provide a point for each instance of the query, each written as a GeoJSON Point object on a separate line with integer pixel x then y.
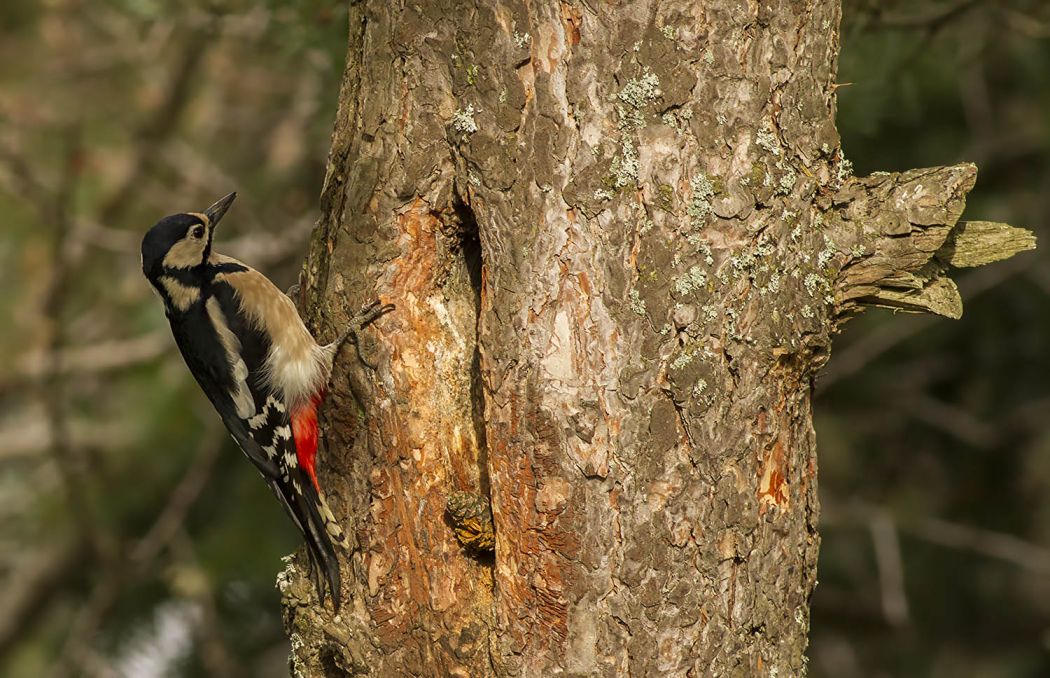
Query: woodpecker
{"type": "Point", "coordinates": [247, 347]}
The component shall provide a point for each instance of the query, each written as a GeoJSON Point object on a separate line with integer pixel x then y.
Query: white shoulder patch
{"type": "Point", "coordinates": [295, 367]}
{"type": "Point", "coordinates": [243, 402]}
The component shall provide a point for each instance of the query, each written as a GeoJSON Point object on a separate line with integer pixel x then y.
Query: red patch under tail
{"type": "Point", "coordinates": [304, 430]}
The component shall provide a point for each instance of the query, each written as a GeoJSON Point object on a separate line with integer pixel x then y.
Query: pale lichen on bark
{"type": "Point", "coordinates": [619, 241]}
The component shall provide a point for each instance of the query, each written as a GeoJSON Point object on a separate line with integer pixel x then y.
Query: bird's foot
{"type": "Point", "coordinates": [368, 314]}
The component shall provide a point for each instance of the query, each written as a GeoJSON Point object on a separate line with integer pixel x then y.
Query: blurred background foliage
{"type": "Point", "coordinates": [933, 435]}
{"type": "Point", "coordinates": [136, 541]}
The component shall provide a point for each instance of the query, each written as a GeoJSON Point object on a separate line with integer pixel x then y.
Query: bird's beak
{"type": "Point", "coordinates": [215, 212]}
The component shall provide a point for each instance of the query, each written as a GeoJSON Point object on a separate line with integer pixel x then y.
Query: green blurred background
{"type": "Point", "coordinates": [135, 540]}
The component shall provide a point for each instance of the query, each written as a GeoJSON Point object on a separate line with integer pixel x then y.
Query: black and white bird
{"type": "Point", "coordinates": [246, 345]}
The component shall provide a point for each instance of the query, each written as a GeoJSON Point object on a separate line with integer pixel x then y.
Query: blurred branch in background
{"type": "Point", "coordinates": [929, 17]}
{"type": "Point", "coordinates": [107, 355]}
{"type": "Point", "coordinates": [29, 588]}
{"type": "Point", "coordinates": [886, 543]}
{"type": "Point", "coordinates": [171, 519]}
{"type": "Point", "coordinates": [154, 132]}
{"type": "Point", "coordinates": [69, 458]}
{"type": "Point", "coordinates": [137, 560]}
{"type": "Point", "coordinates": [127, 553]}
{"type": "Point", "coordinates": [934, 448]}
{"type": "Point", "coordinates": [883, 525]}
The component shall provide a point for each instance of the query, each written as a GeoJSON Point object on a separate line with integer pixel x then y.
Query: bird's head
{"type": "Point", "coordinates": [181, 241]}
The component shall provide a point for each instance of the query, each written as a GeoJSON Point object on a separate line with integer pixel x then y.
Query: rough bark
{"type": "Point", "coordinates": [619, 238]}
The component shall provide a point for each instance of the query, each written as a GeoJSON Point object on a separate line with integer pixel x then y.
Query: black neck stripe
{"type": "Point", "coordinates": [205, 272]}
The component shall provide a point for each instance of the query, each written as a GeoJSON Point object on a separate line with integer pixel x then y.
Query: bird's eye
{"type": "Point", "coordinates": [198, 231]}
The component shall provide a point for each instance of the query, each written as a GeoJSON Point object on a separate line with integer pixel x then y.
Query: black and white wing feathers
{"type": "Point", "coordinates": [231, 371]}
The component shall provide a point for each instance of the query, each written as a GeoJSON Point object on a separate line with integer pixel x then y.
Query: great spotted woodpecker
{"type": "Point", "coordinates": [246, 345]}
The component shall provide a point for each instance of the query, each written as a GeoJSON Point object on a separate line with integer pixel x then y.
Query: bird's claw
{"type": "Point", "coordinates": [368, 314]}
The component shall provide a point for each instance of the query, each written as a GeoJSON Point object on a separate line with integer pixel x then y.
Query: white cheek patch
{"type": "Point", "coordinates": [186, 253]}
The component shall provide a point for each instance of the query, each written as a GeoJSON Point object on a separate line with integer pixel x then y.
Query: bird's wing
{"type": "Point", "coordinates": [267, 435]}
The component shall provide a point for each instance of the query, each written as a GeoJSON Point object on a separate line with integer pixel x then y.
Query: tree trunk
{"type": "Point", "coordinates": [619, 238]}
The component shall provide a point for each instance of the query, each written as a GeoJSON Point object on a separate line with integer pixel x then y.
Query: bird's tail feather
{"type": "Point", "coordinates": [306, 508]}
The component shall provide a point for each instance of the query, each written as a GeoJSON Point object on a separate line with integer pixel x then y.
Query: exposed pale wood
{"type": "Point", "coordinates": [976, 243]}
{"type": "Point", "coordinates": [901, 234]}
{"type": "Point", "coordinates": [939, 295]}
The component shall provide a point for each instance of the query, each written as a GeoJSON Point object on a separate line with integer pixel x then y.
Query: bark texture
{"type": "Point", "coordinates": [619, 237]}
